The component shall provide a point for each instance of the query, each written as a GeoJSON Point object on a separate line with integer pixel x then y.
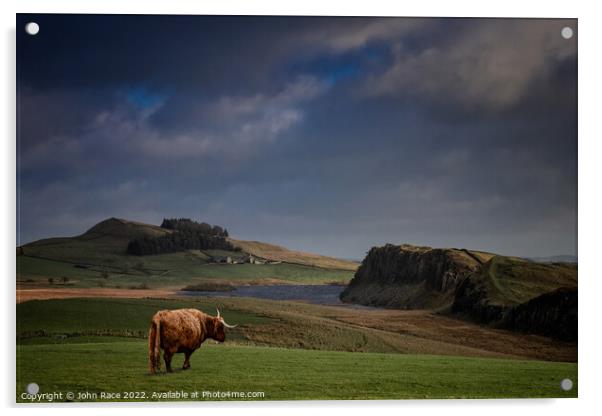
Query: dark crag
{"type": "Point", "coordinates": [505, 292]}
{"type": "Point", "coordinates": [410, 277]}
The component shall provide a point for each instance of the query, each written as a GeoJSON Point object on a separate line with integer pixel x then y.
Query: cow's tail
{"type": "Point", "coordinates": [154, 344]}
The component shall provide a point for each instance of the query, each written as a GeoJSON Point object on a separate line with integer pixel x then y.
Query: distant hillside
{"type": "Point", "coordinates": [408, 277]}
{"type": "Point", "coordinates": [563, 258]}
{"type": "Point", "coordinates": [507, 292]}
{"type": "Point", "coordinates": [107, 238]}
{"type": "Point", "coordinates": [277, 253]}
{"type": "Point", "coordinates": [107, 243]}
{"type": "Point", "coordinates": [123, 229]}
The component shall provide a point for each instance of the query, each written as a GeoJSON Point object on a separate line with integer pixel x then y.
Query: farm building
{"type": "Point", "coordinates": [222, 259]}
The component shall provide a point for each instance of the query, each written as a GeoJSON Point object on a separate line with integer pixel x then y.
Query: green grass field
{"type": "Point", "coordinates": [165, 270]}
{"type": "Point", "coordinates": [51, 321]}
{"type": "Point", "coordinates": [285, 374]}
{"type": "Point", "coordinates": [99, 345]}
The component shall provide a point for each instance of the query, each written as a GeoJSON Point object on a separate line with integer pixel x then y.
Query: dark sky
{"type": "Point", "coordinates": [328, 135]}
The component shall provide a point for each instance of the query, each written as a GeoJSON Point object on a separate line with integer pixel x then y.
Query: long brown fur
{"type": "Point", "coordinates": [154, 344]}
{"type": "Point", "coordinates": [180, 331]}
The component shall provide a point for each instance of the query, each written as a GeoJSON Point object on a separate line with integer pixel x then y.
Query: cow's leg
{"type": "Point", "coordinates": [187, 355]}
{"type": "Point", "coordinates": [167, 357]}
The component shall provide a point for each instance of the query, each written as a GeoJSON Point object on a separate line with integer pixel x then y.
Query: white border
{"type": "Point", "coordinates": [590, 68]}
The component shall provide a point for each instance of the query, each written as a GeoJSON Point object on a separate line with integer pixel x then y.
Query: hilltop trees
{"type": "Point", "coordinates": [186, 235]}
{"type": "Point", "coordinates": [186, 224]}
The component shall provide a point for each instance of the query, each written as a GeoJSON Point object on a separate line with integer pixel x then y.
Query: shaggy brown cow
{"type": "Point", "coordinates": [181, 330]}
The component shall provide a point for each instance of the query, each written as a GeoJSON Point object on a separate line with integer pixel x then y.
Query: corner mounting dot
{"type": "Point", "coordinates": [566, 384]}
{"type": "Point", "coordinates": [33, 388]}
{"type": "Point", "coordinates": [32, 28]}
{"type": "Point", "coordinates": [566, 32]}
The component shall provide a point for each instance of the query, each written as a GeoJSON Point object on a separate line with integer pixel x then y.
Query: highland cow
{"type": "Point", "coordinates": [181, 331]}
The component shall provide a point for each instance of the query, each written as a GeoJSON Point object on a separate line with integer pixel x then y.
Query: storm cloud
{"type": "Point", "coordinates": [328, 135]}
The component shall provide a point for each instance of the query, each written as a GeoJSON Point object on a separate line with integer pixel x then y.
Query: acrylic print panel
{"type": "Point", "coordinates": [380, 208]}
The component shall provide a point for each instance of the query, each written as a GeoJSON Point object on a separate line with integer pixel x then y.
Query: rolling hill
{"type": "Point", "coordinates": [103, 241]}
{"type": "Point", "coordinates": [278, 253]}
{"type": "Point", "coordinates": [98, 258]}
{"type": "Point", "coordinates": [505, 281]}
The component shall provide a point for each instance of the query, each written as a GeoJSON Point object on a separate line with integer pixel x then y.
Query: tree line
{"type": "Point", "coordinates": [186, 235]}
{"type": "Point", "coordinates": [188, 224]}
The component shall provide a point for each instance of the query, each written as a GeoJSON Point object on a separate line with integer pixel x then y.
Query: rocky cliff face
{"type": "Point", "coordinates": [552, 314]}
{"type": "Point", "coordinates": [504, 292]}
{"type": "Point", "coordinates": [522, 296]}
{"type": "Point", "coordinates": [472, 300]}
{"type": "Point", "coordinates": [409, 276]}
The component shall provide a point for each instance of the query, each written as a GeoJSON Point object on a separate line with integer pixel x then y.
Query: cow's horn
{"type": "Point", "coordinates": [227, 325]}
{"type": "Point", "coordinates": [218, 315]}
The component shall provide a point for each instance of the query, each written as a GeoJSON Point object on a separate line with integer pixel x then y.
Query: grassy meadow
{"type": "Point", "coordinates": [510, 281]}
{"type": "Point", "coordinates": [286, 374]}
{"type": "Point", "coordinates": [287, 350]}
{"type": "Point", "coordinates": [174, 270]}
